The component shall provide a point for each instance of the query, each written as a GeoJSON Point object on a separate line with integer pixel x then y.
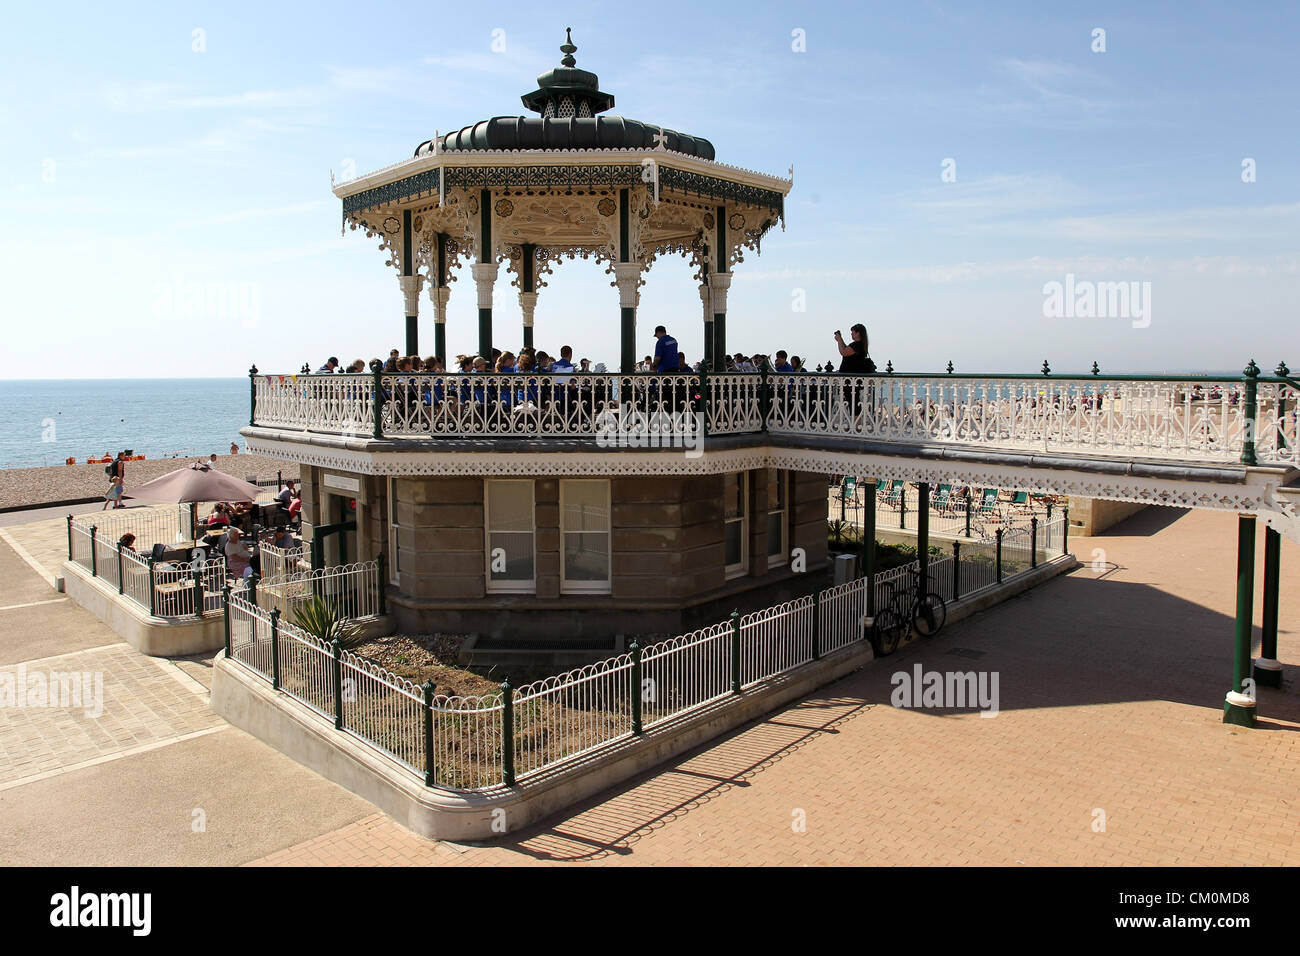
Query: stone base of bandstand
{"type": "Point", "coordinates": [247, 701]}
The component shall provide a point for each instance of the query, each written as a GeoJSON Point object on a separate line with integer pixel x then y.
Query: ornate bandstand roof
{"type": "Point", "coordinates": [553, 184]}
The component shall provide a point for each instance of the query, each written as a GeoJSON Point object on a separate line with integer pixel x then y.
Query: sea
{"type": "Point", "coordinates": [44, 422]}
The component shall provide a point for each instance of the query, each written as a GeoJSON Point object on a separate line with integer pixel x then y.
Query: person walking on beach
{"type": "Point", "coordinates": [114, 494]}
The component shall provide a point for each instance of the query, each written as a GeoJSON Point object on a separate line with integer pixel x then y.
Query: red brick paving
{"type": "Point", "coordinates": [1111, 688]}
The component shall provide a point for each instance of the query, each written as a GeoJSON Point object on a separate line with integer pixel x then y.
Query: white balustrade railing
{"type": "Point", "coordinates": [561, 717]}
{"type": "Point", "coordinates": [337, 404]}
{"type": "Point", "coordinates": [278, 562]}
{"type": "Point", "coordinates": [1169, 418]}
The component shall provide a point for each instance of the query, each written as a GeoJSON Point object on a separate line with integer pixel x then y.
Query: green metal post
{"type": "Point", "coordinates": [923, 534]}
{"type": "Point", "coordinates": [1239, 706]}
{"type": "Point", "coordinates": [252, 589]}
{"type": "Point", "coordinates": [377, 399]}
{"type": "Point", "coordinates": [382, 561]}
{"type": "Point", "coordinates": [1250, 411]}
{"type": "Point", "coordinates": [1065, 530]}
{"type": "Point", "coordinates": [634, 651]}
{"type": "Point", "coordinates": [198, 590]}
{"type": "Point", "coordinates": [998, 535]}
{"type": "Point", "coordinates": [1047, 529]}
{"type": "Point", "coordinates": [275, 649]}
{"type": "Point", "coordinates": [735, 652]}
{"type": "Point", "coordinates": [336, 650]}
{"type": "Point", "coordinates": [153, 593]}
{"type": "Point", "coordinates": [94, 558]}
{"type": "Point", "coordinates": [956, 570]}
{"type": "Point", "coordinates": [507, 733]}
{"type": "Point", "coordinates": [252, 395]}
{"type": "Point", "coordinates": [1033, 541]}
{"type": "Point", "coordinates": [869, 545]}
{"type": "Point", "coordinates": [902, 506]}
{"type": "Point", "coordinates": [968, 512]}
{"type": "Point", "coordinates": [817, 625]}
{"type": "Point", "coordinates": [1267, 671]}
{"type": "Point", "coordinates": [225, 607]}
{"type": "Point", "coordinates": [429, 765]}
{"type": "Point", "coordinates": [69, 537]}
{"type": "Point", "coordinates": [121, 586]}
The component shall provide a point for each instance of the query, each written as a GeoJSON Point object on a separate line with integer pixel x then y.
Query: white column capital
{"type": "Point", "coordinates": [528, 304]}
{"type": "Point", "coordinates": [719, 283]}
{"type": "Point", "coordinates": [411, 286]}
{"type": "Point", "coordinates": [438, 295]}
{"type": "Point", "coordinates": [485, 275]}
{"type": "Point", "coordinates": [627, 276]}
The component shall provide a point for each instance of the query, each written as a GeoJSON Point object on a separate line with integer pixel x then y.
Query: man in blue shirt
{"type": "Point", "coordinates": [782, 363]}
{"type": "Point", "coordinates": [665, 351]}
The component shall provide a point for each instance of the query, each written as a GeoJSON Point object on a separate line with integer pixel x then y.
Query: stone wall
{"type": "Point", "coordinates": [1094, 515]}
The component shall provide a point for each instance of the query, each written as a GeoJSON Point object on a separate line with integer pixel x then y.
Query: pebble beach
{"type": "Point", "coordinates": [33, 487]}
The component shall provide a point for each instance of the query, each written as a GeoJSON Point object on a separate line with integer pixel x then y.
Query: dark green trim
{"type": "Point", "coordinates": [722, 265]}
{"type": "Point", "coordinates": [507, 733]}
{"type": "Point", "coordinates": [528, 266]}
{"type": "Point", "coordinates": [275, 649]}
{"type": "Point", "coordinates": [1233, 713]}
{"type": "Point", "coordinates": [634, 653]}
{"type": "Point", "coordinates": [735, 652]}
{"type": "Point", "coordinates": [719, 341]}
{"type": "Point", "coordinates": [923, 536]}
{"type": "Point", "coordinates": [624, 242]}
{"type": "Point", "coordinates": [817, 625]}
{"type": "Point", "coordinates": [440, 341]}
{"type": "Point", "coordinates": [484, 335]}
{"type": "Point", "coordinates": [561, 177]}
{"type": "Point", "coordinates": [1272, 591]}
{"type": "Point", "coordinates": [528, 336]}
{"type": "Point", "coordinates": [412, 335]}
{"type": "Point", "coordinates": [627, 340]}
{"type": "Point", "coordinates": [429, 766]}
{"type": "Point", "coordinates": [869, 545]}
{"type": "Point", "coordinates": [336, 651]}
{"type": "Point", "coordinates": [408, 252]}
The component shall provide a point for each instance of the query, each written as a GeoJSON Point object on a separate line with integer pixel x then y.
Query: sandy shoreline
{"type": "Point", "coordinates": [37, 486]}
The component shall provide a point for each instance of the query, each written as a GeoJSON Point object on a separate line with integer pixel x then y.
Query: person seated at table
{"type": "Point", "coordinates": [295, 509]}
{"type": "Point", "coordinates": [219, 517]}
{"type": "Point", "coordinates": [285, 495]}
{"type": "Point", "coordinates": [238, 557]}
{"type": "Point", "coordinates": [283, 539]}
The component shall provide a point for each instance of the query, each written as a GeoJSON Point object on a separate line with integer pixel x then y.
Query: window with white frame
{"type": "Point", "coordinates": [510, 530]}
{"type": "Point", "coordinates": [735, 495]}
{"type": "Point", "coordinates": [393, 575]}
{"type": "Point", "coordinates": [778, 488]}
{"type": "Point", "coordinates": [584, 534]}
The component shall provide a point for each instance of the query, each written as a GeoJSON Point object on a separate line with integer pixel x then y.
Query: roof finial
{"type": "Point", "coordinates": [568, 49]}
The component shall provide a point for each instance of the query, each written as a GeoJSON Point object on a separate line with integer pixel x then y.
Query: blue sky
{"type": "Point", "coordinates": [138, 170]}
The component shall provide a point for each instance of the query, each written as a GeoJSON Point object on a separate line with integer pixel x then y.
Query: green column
{"type": "Point", "coordinates": [1249, 410]}
{"type": "Point", "coordinates": [869, 544]}
{"type": "Point", "coordinates": [735, 652]}
{"type": "Point", "coordinates": [923, 534]}
{"type": "Point", "coordinates": [719, 341]}
{"type": "Point", "coordinates": [485, 258]}
{"type": "Point", "coordinates": [1238, 706]}
{"type": "Point", "coordinates": [528, 336]}
{"type": "Point", "coordinates": [1267, 670]}
{"type": "Point", "coordinates": [408, 271]}
{"type": "Point", "coordinates": [507, 733]}
{"type": "Point", "coordinates": [627, 340]}
{"type": "Point", "coordinates": [440, 341]}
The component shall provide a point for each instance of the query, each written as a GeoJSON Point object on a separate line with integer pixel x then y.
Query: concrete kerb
{"type": "Point", "coordinates": [247, 701]}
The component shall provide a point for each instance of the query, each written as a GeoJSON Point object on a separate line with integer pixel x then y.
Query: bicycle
{"type": "Point", "coordinates": [905, 609]}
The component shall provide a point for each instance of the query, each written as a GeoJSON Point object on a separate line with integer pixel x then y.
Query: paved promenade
{"type": "Point", "coordinates": [1108, 749]}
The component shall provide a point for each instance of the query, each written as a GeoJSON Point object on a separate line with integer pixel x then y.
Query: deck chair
{"type": "Point", "coordinates": [1020, 500]}
{"type": "Point", "coordinates": [895, 493]}
{"type": "Point", "coordinates": [988, 501]}
{"type": "Point", "coordinates": [941, 501]}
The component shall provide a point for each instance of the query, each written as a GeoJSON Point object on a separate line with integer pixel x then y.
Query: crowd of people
{"type": "Point", "coordinates": [667, 357]}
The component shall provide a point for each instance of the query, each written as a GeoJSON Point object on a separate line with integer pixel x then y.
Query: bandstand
{"type": "Point", "coordinates": [535, 507]}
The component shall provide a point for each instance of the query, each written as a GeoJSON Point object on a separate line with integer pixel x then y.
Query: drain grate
{"type": "Point", "coordinates": [966, 652]}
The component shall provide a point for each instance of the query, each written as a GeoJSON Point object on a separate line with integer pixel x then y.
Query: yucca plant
{"type": "Point", "coordinates": [322, 618]}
